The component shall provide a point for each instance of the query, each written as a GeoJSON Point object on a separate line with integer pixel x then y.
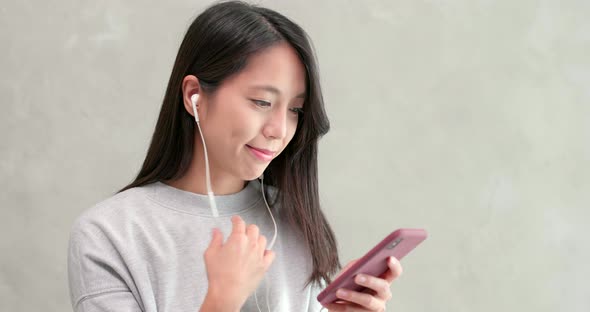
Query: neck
{"type": "Point", "coordinates": [194, 179]}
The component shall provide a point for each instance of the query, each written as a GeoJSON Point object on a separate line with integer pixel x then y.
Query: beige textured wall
{"type": "Point", "coordinates": [468, 118]}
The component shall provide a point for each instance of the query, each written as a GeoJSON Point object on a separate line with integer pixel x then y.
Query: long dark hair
{"type": "Point", "coordinates": [217, 45]}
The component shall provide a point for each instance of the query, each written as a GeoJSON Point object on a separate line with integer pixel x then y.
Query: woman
{"type": "Point", "coordinates": [246, 77]}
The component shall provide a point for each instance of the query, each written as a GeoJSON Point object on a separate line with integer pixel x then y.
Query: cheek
{"type": "Point", "coordinates": [236, 130]}
{"type": "Point", "coordinates": [290, 132]}
{"type": "Point", "coordinates": [289, 137]}
{"type": "Point", "coordinates": [242, 126]}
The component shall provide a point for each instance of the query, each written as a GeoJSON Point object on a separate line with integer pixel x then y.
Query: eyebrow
{"type": "Point", "coordinates": [274, 90]}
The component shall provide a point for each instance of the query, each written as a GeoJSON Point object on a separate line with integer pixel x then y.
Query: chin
{"type": "Point", "coordinates": [253, 175]}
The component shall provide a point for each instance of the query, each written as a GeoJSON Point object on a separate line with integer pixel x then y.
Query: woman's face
{"type": "Point", "coordinates": [256, 109]}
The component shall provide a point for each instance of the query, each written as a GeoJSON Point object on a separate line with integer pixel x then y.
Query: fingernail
{"type": "Point", "coordinates": [342, 293]}
{"type": "Point", "coordinates": [392, 260]}
{"type": "Point", "coordinates": [361, 279]}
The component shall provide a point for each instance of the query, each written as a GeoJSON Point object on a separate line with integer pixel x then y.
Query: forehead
{"type": "Point", "coordinates": [278, 66]}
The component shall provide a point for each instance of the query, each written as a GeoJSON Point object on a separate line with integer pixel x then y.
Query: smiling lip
{"type": "Point", "coordinates": [262, 154]}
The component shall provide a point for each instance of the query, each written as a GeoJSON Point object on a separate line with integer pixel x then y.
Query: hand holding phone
{"type": "Point", "coordinates": [398, 244]}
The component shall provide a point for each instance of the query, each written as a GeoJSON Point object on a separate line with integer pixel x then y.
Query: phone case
{"type": "Point", "coordinates": [398, 244]}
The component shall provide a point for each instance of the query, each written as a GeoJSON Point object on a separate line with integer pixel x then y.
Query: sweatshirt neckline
{"type": "Point", "coordinates": [198, 204]}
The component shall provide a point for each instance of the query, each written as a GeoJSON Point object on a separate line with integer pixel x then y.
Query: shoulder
{"type": "Point", "coordinates": [104, 216]}
{"type": "Point", "coordinates": [98, 253]}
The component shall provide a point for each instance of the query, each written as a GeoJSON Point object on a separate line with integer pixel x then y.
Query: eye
{"type": "Point", "coordinates": [297, 111]}
{"type": "Point", "coordinates": [261, 103]}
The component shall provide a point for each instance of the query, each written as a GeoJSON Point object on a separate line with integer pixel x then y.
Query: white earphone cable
{"type": "Point", "coordinates": [194, 99]}
{"type": "Point", "coordinates": [272, 242]}
{"type": "Point", "coordinates": [211, 195]}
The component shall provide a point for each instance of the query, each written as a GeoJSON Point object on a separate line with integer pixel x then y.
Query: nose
{"type": "Point", "coordinates": [276, 125]}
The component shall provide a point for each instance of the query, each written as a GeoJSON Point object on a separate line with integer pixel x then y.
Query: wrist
{"type": "Point", "coordinates": [215, 302]}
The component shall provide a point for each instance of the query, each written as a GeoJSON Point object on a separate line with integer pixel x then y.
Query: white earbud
{"type": "Point", "coordinates": [194, 99]}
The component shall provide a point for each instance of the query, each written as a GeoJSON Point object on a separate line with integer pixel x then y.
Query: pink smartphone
{"type": "Point", "coordinates": [398, 244]}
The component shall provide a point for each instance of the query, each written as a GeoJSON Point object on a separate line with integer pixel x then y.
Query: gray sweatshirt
{"type": "Point", "coordinates": [142, 250]}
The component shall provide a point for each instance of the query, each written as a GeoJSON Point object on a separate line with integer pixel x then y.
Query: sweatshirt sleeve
{"type": "Point", "coordinates": [97, 275]}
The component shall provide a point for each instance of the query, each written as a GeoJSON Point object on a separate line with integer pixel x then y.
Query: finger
{"type": "Point", "coordinates": [337, 307]}
{"type": "Point", "coordinates": [380, 286]}
{"type": "Point", "coordinates": [216, 238]}
{"type": "Point", "coordinates": [268, 258]}
{"type": "Point", "coordinates": [262, 241]}
{"type": "Point", "coordinates": [395, 270]}
{"type": "Point", "coordinates": [238, 225]}
{"type": "Point", "coordinates": [252, 232]}
{"type": "Point", "coordinates": [367, 301]}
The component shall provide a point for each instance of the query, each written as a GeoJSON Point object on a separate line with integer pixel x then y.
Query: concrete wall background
{"type": "Point", "coordinates": [468, 118]}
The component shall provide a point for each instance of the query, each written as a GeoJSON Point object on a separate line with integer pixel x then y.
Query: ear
{"type": "Point", "coordinates": [190, 86]}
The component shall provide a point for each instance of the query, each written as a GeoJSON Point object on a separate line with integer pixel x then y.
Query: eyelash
{"type": "Point", "coordinates": [298, 111]}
